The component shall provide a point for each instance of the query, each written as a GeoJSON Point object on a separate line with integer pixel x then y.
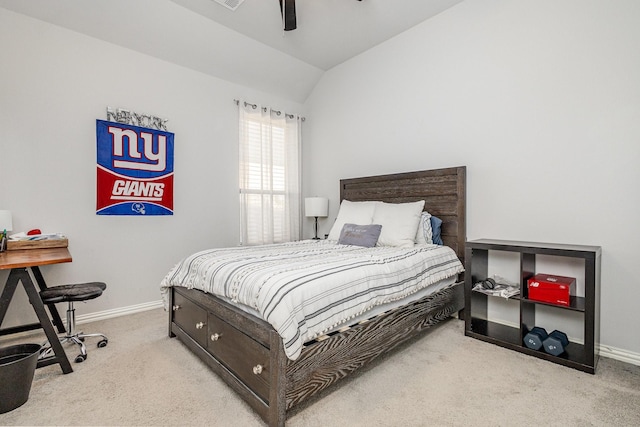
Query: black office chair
{"type": "Point", "coordinates": [71, 294]}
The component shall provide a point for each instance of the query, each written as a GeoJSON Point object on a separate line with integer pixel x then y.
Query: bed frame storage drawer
{"type": "Point", "coordinates": [245, 357]}
{"type": "Point", "coordinates": [190, 317]}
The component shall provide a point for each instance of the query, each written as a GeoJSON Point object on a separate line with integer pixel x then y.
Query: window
{"type": "Point", "coordinates": [269, 175]}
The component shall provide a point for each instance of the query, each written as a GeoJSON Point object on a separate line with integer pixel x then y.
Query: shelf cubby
{"type": "Point", "coordinates": [478, 324]}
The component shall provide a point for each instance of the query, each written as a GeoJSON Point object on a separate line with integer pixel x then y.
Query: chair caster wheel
{"type": "Point", "coordinates": [102, 343]}
{"type": "Point", "coordinates": [80, 358]}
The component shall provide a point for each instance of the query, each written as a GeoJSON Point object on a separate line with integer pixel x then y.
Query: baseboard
{"type": "Point", "coordinates": [100, 315]}
{"type": "Point", "coordinates": [620, 354]}
{"type": "Point", "coordinates": [117, 312]}
{"type": "Point", "coordinates": [605, 350]}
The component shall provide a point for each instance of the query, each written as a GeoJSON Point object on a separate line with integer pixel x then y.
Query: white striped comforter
{"type": "Point", "coordinates": [304, 289]}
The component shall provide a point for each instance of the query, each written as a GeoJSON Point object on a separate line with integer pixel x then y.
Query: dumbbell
{"type": "Point", "coordinates": [556, 343]}
{"type": "Point", "coordinates": [535, 338]}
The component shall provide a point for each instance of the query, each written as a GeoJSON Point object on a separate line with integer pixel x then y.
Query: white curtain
{"type": "Point", "coordinates": [269, 175]}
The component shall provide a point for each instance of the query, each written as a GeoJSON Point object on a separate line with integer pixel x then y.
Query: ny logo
{"type": "Point", "coordinates": [152, 161]}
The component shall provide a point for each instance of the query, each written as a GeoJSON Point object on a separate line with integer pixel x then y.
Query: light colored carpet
{"type": "Point", "coordinates": [442, 379]}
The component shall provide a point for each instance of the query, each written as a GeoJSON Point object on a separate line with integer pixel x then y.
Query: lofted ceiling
{"type": "Point", "coordinates": [247, 46]}
{"type": "Point", "coordinates": [329, 32]}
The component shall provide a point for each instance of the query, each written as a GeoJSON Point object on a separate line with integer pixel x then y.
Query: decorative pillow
{"type": "Point", "coordinates": [425, 232]}
{"type": "Point", "coordinates": [352, 213]}
{"type": "Point", "coordinates": [360, 235]}
{"type": "Point", "coordinates": [436, 226]}
{"type": "Point", "coordinates": [399, 222]}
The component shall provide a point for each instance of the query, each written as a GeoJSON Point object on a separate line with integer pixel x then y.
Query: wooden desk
{"type": "Point", "coordinates": [20, 262]}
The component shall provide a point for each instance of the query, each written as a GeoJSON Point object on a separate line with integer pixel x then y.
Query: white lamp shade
{"type": "Point", "coordinates": [316, 206]}
{"type": "Point", "coordinates": [5, 221]}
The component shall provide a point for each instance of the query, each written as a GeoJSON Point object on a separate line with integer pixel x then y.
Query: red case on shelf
{"type": "Point", "coordinates": [551, 289]}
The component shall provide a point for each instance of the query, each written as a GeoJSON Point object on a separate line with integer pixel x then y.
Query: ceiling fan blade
{"type": "Point", "coordinates": [288, 11]}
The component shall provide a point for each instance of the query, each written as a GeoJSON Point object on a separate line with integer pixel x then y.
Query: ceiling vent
{"type": "Point", "coordinates": [230, 4]}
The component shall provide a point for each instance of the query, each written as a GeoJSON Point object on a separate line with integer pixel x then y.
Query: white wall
{"type": "Point", "coordinates": [54, 84]}
{"type": "Point", "coordinates": [539, 99]}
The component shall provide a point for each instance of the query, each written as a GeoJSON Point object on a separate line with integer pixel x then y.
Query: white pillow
{"type": "Point", "coordinates": [399, 222]}
{"type": "Point", "coordinates": [425, 232]}
{"type": "Point", "coordinates": [360, 213]}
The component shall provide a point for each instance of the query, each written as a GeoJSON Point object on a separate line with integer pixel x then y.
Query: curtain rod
{"type": "Point", "coordinates": [237, 101]}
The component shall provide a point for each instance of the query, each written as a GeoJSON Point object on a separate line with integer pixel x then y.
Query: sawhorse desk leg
{"type": "Point", "coordinates": [22, 275]}
{"type": "Point", "coordinates": [55, 316]}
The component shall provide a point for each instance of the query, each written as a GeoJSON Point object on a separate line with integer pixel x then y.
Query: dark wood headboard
{"type": "Point", "coordinates": [443, 190]}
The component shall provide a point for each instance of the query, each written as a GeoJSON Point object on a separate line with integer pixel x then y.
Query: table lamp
{"type": "Point", "coordinates": [316, 207]}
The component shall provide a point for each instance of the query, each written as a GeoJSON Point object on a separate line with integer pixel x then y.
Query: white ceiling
{"type": "Point", "coordinates": [329, 31]}
{"type": "Point", "coordinates": [246, 46]}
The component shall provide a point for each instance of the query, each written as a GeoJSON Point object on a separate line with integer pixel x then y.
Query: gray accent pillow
{"type": "Point", "coordinates": [360, 235]}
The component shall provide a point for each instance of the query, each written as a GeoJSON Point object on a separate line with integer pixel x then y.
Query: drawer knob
{"type": "Point", "coordinates": [176, 307]}
{"type": "Point", "coordinates": [215, 337]}
{"type": "Point", "coordinates": [257, 369]}
{"type": "Point", "coordinates": [200, 325]}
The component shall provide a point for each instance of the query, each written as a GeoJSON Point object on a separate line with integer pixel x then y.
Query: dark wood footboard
{"type": "Point", "coordinates": [247, 353]}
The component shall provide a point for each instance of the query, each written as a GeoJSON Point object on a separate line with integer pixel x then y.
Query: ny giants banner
{"type": "Point", "coordinates": [135, 170]}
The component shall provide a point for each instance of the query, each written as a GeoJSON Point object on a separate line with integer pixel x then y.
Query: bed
{"type": "Point", "coordinates": [274, 372]}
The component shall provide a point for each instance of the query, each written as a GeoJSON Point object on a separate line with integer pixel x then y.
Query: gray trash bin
{"type": "Point", "coordinates": [17, 367]}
